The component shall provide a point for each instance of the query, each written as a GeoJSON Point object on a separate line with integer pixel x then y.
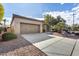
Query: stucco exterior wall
{"type": "Point", "coordinates": [17, 21]}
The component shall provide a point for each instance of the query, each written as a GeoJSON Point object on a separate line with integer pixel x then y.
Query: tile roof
{"type": "Point", "coordinates": [18, 16]}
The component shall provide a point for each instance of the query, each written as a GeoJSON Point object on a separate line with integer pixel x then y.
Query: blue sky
{"type": "Point", "coordinates": [35, 10]}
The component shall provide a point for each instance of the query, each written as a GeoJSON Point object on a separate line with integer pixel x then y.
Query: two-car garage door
{"type": "Point", "coordinates": [26, 28]}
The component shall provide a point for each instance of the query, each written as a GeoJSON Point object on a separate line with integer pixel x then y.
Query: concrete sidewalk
{"type": "Point", "coordinates": [61, 48]}
{"type": "Point", "coordinates": [46, 43]}
{"type": "Point", "coordinates": [54, 46]}
{"type": "Point", "coordinates": [76, 49]}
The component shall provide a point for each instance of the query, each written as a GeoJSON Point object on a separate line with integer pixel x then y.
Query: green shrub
{"type": "Point", "coordinates": [59, 27]}
{"type": "Point", "coordinates": [1, 29]}
{"type": "Point", "coordinates": [8, 36]}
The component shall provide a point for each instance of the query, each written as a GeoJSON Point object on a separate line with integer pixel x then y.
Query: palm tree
{"type": "Point", "coordinates": [4, 22]}
{"type": "Point", "coordinates": [60, 19]}
{"type": "Point", "coordinates": [1, 12]}
{"type": "Point", "coordinates": [5, 25]}
{"type": "Point", "coordinates": [48, 21]}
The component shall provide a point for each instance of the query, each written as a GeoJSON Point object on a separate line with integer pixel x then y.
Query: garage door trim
{"type": "Point", "coordinates": [37, 28]}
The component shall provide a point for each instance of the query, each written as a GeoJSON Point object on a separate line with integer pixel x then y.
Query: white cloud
{"type": "Point", "coordinates": [67, 15]}
{"type": "Point", "coordinates": [62, 3]}
{"type": "Point", "coordinates": [64, 14]}
{"type": "Point", "coordinates": [39, 18]}
{"type": "Point", "coordinates": [76, 11]}
{"type": "Point", "coordinates": [75, 8]}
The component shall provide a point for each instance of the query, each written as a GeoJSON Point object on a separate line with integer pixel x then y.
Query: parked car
{"type": "Point", "coordinates": [75, 32]}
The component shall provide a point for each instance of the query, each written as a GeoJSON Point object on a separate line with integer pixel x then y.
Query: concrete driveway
{"type": "Point", "coordinates": [52, 45]}
{"type": "Point", "coordinates": [34, 38]}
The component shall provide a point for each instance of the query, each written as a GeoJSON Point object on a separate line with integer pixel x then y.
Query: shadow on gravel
{"type": "Point", "coordinates": [16, 44]}
{"type": "Point", "coordinates": [13, 44]}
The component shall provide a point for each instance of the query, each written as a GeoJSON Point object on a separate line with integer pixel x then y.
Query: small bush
{"type": "Point", "coordinates": [1, 29]}
{"type": "Point", "coordinates": [8, 36]}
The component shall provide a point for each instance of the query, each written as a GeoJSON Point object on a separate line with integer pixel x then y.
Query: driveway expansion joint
{"type": "Point", "coordinates": [73, 48]}
{"type": "Point", "coordinates": [51, 44]}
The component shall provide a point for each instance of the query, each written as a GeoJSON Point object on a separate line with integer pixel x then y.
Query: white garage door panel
{"type": "Point", "coordinates": [29, 28]}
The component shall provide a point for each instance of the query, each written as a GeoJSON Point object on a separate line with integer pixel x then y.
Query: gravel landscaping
{"type": "Point", "coordinates": [19, 47]}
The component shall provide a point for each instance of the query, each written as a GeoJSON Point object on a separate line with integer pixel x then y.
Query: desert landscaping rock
{"type": "Point", "coordinates": [19, 47]}
{"type": "Point", "coordinates": [29, 50]}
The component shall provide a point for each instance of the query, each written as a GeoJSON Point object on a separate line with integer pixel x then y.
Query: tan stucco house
{"type": "Point", "coordinates": [25, 25]}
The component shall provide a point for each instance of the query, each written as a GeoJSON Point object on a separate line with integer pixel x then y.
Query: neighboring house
{"type": "Point", "coordinates": [24, 25]}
